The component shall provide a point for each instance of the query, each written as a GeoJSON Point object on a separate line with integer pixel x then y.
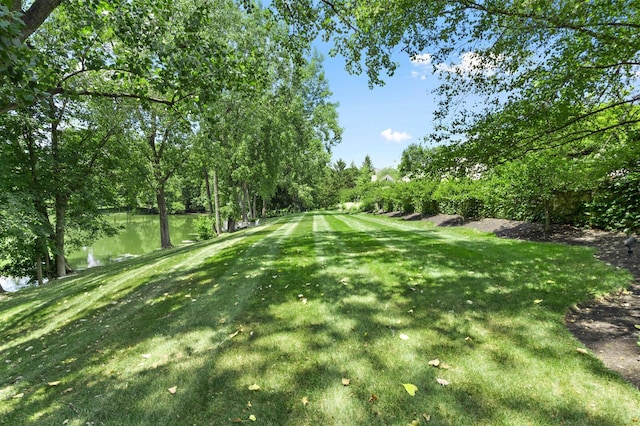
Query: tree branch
{"type": "Point", "coordinates": [60, 90]}
{"type": "Point", "coordinates": [36, 15]}
{"type": "Point", "coordinates": [335, 10]}
{"type": "Point", "coordinates": [577, 136]}
{"type": "Point", "coordinates": [547, 21]}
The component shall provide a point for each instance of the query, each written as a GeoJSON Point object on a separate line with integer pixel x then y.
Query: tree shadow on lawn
{"type": "Point", "coordinates": [349, 327]}
{"type": "Point", "coordinates": [41, 299]}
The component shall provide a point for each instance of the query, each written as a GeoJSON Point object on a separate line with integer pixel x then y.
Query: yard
{"type": "Point", "coordinates": [319, 318]}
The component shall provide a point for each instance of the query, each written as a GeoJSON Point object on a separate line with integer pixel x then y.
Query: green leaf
{"type": "Point", "coordinates": [410, 388]}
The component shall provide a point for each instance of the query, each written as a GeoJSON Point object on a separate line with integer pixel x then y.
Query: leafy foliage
{"type": "Point", "coordinates": [616, 202]}
{"type": "Point", "coordinates": [204, 228]}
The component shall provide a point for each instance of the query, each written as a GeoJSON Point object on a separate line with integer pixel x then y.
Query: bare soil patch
{"type": "Point", "coordinates": [607, 325]}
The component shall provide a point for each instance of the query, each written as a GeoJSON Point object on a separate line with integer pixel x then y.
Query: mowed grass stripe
{"type": "Point", "coordinates": [482, 285]}
{"type": "Point", "coordinates": [100, 287]}
{"type": "Point", "coordinates": [153, 294]}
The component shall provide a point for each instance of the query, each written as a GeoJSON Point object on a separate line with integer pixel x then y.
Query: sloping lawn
{"type": "Point", "coordinates": [316, 319]}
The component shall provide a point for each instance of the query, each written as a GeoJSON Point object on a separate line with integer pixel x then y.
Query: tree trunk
{"type": "Point", "coordinates": [244, 201]}
{"type": "Point", "coordinates": [61, 211]}
{"type": "Point", "coordinates": [547, 218]}
{"type": "Point", "coordinates": [264, 207]}
{"type": "Point", "coordinates": [214, 225]}
{"type": "Point", "coordinates": [165, 238]}
{"type": "Point", "coordinates": [39, 276]}
{"type": "Point", "coordinates": [216, 199]}
{"type": "Point", "coordinates": [47, 265]}
{"type": "Point", "coordinates": [254, 209]}
{"type": "Point", "coordinates": [36, 15]}
{"type": "Point", "coordinates": [208, 188]}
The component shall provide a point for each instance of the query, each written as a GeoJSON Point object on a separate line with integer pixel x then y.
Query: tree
{"type": "Point", "coordinates": [366, 171]}
{"type": "Point", "coordinates": [32, 17]}
{"type": "Point", "coordinates": [165, 141]}
{"type": "Point", "coordinates": [271, 138]}
{"type": "Point", "coordinates": [57, 157]}
{"type": "Point", "coordinates": [414, 161]}
{"type": "Point", "coordinates": [158, 51]}
{"type": "Point", "coordinates": [536, 68]}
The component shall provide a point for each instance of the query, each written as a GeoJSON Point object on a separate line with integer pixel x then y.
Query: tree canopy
{"type": "Point", "coordinates": [529, 75]}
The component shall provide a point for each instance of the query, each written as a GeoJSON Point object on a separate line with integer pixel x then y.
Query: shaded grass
{"type": "Point", "coordinates": [297, 306]}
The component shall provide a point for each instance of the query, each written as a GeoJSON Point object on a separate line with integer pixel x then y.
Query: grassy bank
{"type": "Point", "coordinates": [315, 319]}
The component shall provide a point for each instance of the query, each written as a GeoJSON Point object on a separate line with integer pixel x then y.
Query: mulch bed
{"type": "Point", "coordinates": [607, 325]}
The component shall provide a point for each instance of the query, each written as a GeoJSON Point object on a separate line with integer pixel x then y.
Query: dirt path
{"type": "Point", "coordinates": [606, 326]}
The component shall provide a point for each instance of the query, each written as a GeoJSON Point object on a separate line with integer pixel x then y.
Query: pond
{"type": "Point", "coordinates": [140, 234]}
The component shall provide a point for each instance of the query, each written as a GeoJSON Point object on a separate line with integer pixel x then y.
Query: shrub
{"type": "Point", "coordinates": [204, 228]}
{"type": "Point", "coordinates": [616, 203]}
{"type": "Point", "coordinates": [421, 192]}
{"type": "Point", "coordinates": [459, 196]}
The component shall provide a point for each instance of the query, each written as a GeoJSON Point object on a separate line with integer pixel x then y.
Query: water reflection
{"type": "Point", "coordinates": [14, 284]}
{"type": "Point", "coordinates": [139, 235]}
{"type": "Point", "coordinates": [91, 260]}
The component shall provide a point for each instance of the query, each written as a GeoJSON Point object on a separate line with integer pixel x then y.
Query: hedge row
{"type": "Point", "coordinates": [614, 204]}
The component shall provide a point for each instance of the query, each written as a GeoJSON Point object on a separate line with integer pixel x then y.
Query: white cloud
{"type": "Point", "coordinates": [417, 74]}
{"type": "Point", "coordinates": [395, 136]}
{"type": "Point", "coordinates": [421, 59]}
{"type": "Point", "coordinates": [471, 63]}
{"type": "Point", "coordinates": [421, 64]}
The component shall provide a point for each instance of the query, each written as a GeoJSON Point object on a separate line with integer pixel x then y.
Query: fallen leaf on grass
{"type": "Point", "coordinates": [582, 351]}
{"type": "Point", "coordinates": [404, 336]}
{"type": "Point", "coordinates": [56, 383]}
{"type": "Point", "coordinates": [236, 420]}
{"type": "Point", "coordinates": [147, 356]}
{"type": "Point", "coordinates": [346, 382]}
{"type": "Point", "coordinates": [254, 387]}
{"type": "Point", "coordinates": [373, 398]}
{"type": "Point", "coordinates": [434, 362]}
{"type": "Point", "coordinates": [427, 417]}
{"type": "Point", "coordinates": [252, 418]}
{"type": "Point", "coordinates": [443, 382]}
{"type": "Point", "coordinates": [537, 301]}
{"type": "Point", "coordinates": [305, 401]}
{"type": "Point", "coordinates": [173, 390]}
{"type": "Point", "coordinates": [232, 335]}
{"type": "Point", "coordinates": [410, 388]}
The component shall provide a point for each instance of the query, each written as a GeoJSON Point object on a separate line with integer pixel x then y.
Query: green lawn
{"type": "Point", "coordinates": [316, 319]}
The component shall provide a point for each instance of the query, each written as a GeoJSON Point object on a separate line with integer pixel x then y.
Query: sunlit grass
{"type": "Point", "coordinates": [268, 322]}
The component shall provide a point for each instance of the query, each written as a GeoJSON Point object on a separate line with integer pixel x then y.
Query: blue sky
{"type": "Point", "coordinates": [381, 122]}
